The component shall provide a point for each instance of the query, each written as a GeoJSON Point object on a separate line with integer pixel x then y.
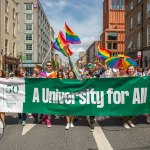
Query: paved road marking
{"type": "Point", "coordinates": [27, 128]}
{"type": "Point", "coordinates": [100, 138]}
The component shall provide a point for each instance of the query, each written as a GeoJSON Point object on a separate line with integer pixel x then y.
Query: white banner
{"type": "Point", "coordinates": [12, 94]}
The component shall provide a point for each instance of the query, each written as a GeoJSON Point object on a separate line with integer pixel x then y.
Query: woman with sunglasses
{"type": "Point", "coordinates": [46, 119]}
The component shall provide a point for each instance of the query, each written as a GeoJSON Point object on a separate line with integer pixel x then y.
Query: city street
{"type": "Point", "coordinates": [39, 137]}
{"type": "Point", "coordinates": [75, 59]}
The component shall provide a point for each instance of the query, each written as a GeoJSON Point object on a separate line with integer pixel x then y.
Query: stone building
{"type": "Point", "coordinates": [8, 35]}
{"type": "Point", "coordinates": [35, 34]}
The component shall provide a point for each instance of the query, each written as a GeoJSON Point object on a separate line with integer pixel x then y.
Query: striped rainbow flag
{"type": "Point", "coordinates": [61, 45]}
{"type": "Point", "coordinates": [71, 37]}
{"type": "Point", "coordinates": [103, 53]}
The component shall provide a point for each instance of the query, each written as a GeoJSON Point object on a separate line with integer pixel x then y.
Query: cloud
{"type": "Point", "coordinates": [84, 17]}
{"type": "Point", "coordinates": [88, 41]}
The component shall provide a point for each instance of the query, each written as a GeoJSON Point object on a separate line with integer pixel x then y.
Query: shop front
{"type": "Point", "coordinates": [9, 64]}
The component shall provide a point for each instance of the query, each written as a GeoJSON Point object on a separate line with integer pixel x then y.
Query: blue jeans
{"type": "Point", "coordinates": [22, 116]}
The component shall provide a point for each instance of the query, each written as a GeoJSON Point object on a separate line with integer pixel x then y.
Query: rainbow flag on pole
{"type": "Point", "coordinates": [61, 45]}
{"type": "Point", "coordinates": [71, 37]}
{"type": "Point", "coordinates": [103, 53]}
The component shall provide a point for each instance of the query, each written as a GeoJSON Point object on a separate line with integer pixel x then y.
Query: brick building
{"type": "Point", "coordinates": [137, 35]}
{"type": "Point", "coordinates": [113, 36]}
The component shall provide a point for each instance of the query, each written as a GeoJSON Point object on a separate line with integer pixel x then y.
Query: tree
{"type": "Point", "coordinates": [53, 64]}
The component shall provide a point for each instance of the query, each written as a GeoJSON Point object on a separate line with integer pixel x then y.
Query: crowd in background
{"type": "Point", "coordinates": [96, 70]}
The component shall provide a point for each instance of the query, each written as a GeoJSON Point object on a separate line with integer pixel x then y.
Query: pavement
{"type": "Point", "coordinates": [109, 134]}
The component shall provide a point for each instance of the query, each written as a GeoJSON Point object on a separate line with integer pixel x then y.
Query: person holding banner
{"type": "Point", "coordinates": [38, 73]}
{"type": "Point", "coordinates": [2, 114]}
{"type": "Point", "coordinates": [20, 73]}
{"type": "Point", "coordinates": [121, 72]}
{"type": "Point", "coordinates": [71, 75]}
{"type": "Point", "coordinates": [127, 121]}
{"type": "Point", "coordinates": [60, 75]}
{"type": "Point", "coordinates": [100, 70]}
{"type": "Point", "coordinates": [46, 119]}
{"type": "Point", "coordinates": [91, 70]}
{"type": "Point", "coordinates": [95, 72]}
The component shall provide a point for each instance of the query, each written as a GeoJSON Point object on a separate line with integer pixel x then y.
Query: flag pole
{"type": "Point", "coordinates": [77, 75]}
{"type": "Point", "coordinates": [46, 55]}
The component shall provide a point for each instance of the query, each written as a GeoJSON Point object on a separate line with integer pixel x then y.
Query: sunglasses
{"type": "Point", "coordinates": [49, 65]}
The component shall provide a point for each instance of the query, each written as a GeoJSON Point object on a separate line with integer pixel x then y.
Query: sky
{"type": "Point", "coordinates": [84, 17]}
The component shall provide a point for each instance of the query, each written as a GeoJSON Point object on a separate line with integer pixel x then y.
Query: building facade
{"type": "Point", "coordinates": [58, 61]}
{"type": "Point", "coordinates": [83, 58]}
{"type": "Point", "coordinates": [8, 36]}
{"type": "Point", "coordinates": [137, 16]}
{"type": "Point", "coordinates": [91, 52]}
{"type": "Point", "coordinates": [113, 36]}
{"type": "Point", "coordinates": [35, 34]}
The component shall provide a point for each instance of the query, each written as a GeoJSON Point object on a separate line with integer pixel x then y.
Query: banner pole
{"type": "Point", "coordinates": [74, 68]}
{"type": "Point", "coordinates": [46, 55]}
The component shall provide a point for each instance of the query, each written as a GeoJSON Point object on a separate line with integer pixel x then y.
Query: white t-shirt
{"type": "Point", "coordinates": [108, 73]}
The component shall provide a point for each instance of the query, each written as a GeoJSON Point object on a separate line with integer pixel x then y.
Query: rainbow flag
{"type": "Point", "coordinates": [61, 45]}
{"type": "Point", "coordinates": [71, 37]}
{"type": "Point", "coordinates": [103, 53]}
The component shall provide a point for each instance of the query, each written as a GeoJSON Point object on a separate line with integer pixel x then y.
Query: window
{"type": "Point", "coordinates": [112, 35]}
{"type": "Point", "coordinates": [117, 4]}
{"type": "Point", "coordinates": [28, 46]}
{"type": "Point", "coordinates": [148, 35]}
{"type": "Point", "coordinates": [148, 8]}
{"type": "Point", "coordinates": [28, 37]}
{"type": "Point", "coordinates": [130, 43]}
{"type": "Point", "coordinates": [6, 24]}
{"type": "Point", "coordinates": [28, 6]}
{"type": "Point", "coordinates": [114, 45]}
{"type": "Point", "coordinates": [139, 17]}
{"type": "Point", "coordinates": [109, 46]}
{"type": "Point", "coordinates": [28, 16]}
{"type": "Point", "coordinates": [131, 23]}
{"type": "Point", "coordinates": [138, 40]}
{"type": "Point", "coordinates": [29, 26]}
{"type": "Point", "coordinates": [28, 56]}
{"type": "Point", "coordinates": [6, 46]}
{"type": "Point", "coordinates": [145, 61]}
{"type": "Point", "coordinates": [131, 5]}
{"type": "Point", "coordinates": [6, 6]}
{"type": "Point", "coordinates": [14, 14]}
{"type": "Point", "coordinates": [14, 49]}
{"type": "Point", "coordinates": [14, 29]}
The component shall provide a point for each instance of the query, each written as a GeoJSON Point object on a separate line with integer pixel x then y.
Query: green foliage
{"type": "Point", "coordinates": [53, 64]}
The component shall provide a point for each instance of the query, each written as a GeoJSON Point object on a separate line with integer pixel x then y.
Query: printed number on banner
{"type": "Point", "coordinates": [12, 89]}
